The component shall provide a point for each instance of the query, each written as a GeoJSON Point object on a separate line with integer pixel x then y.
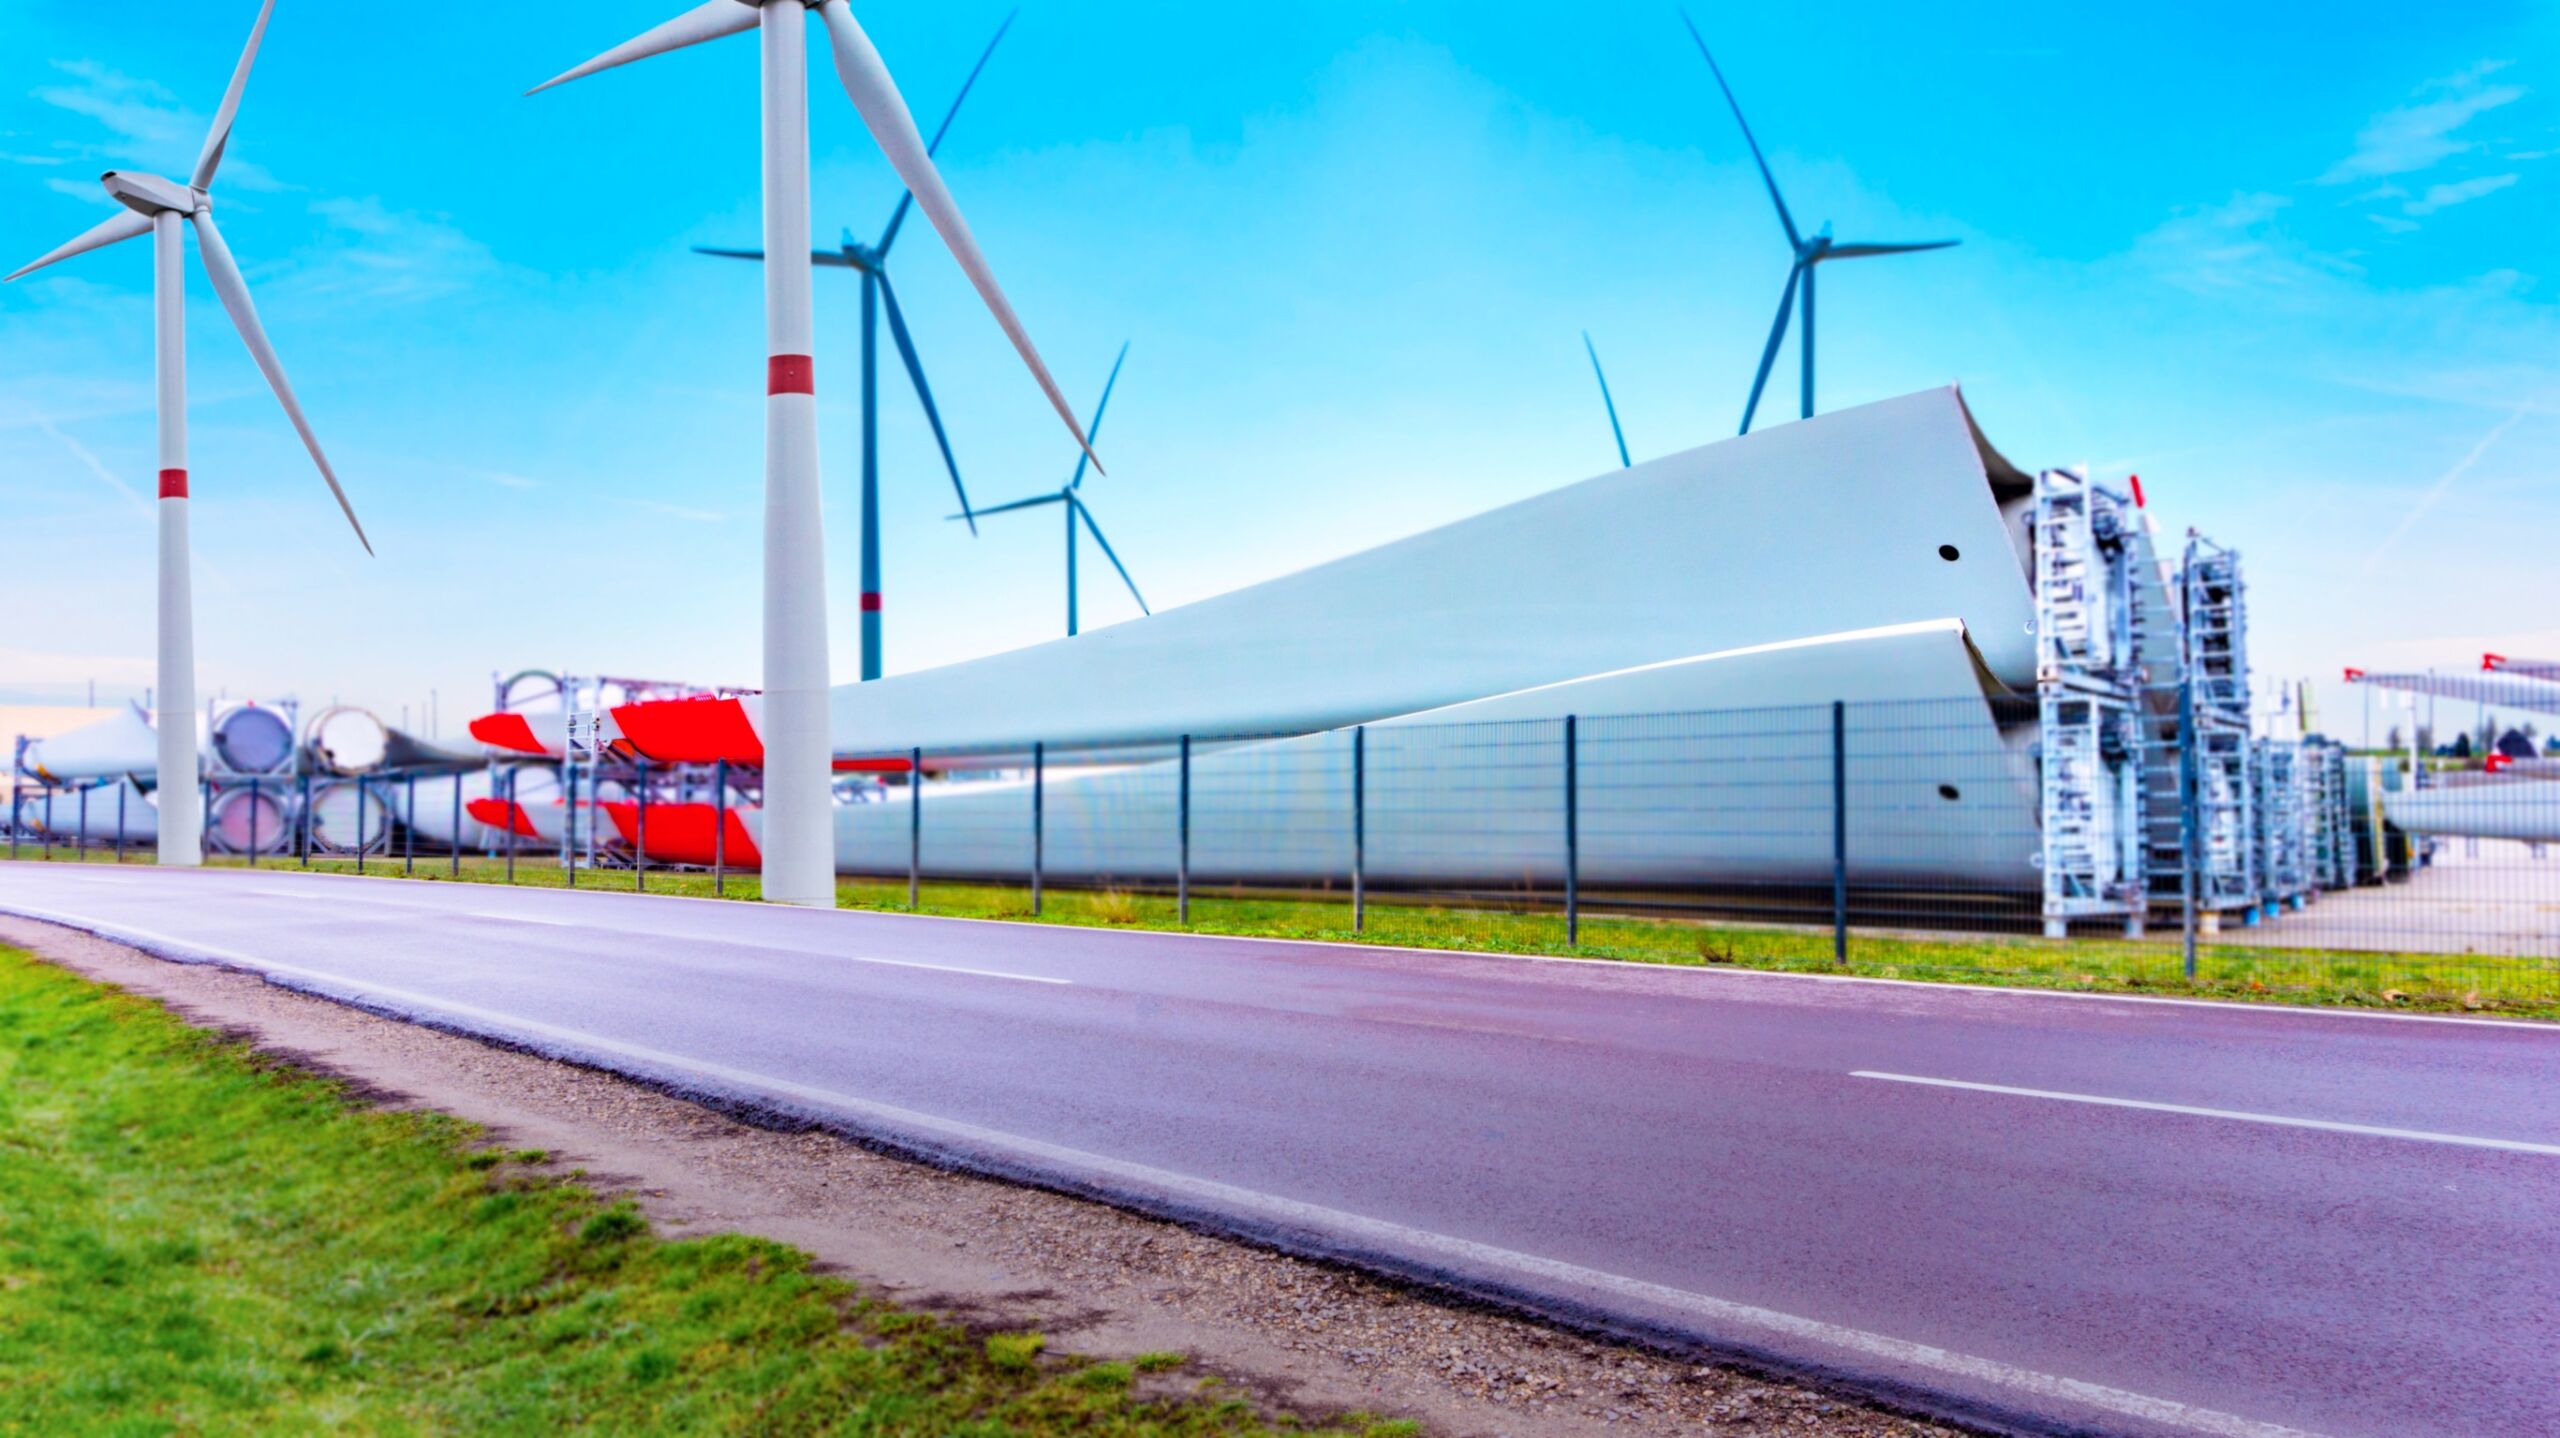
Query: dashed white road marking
{"type": "Point", "coordinates": [2417, 1135]}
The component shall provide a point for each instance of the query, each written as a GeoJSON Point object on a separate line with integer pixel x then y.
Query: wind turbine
{"type": "Point", "coordinates": [872, 263]}
{"type": "Point", "coordinates": [1069, 497]}
{"type": "Point", "coordinates": [1810, 251]}
{"type": "Point", "coordinates": [155, 206]}
{"type": "Point", "coordinates": [1603, 376]}
{"type": "Point", "coordinates": [799, 837]}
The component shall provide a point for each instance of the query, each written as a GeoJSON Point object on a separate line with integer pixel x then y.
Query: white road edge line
{"type": "Point", "coordinates": [430, 909]}
{"type": "Point", "coordinates": [1945, 987]}
{"type": "Point", "coordinates": [1372, 1231]}
{"type": "Point", "coordinates": [2509, 1145]}
{"type": "Point", "coordinates": [51, 917]}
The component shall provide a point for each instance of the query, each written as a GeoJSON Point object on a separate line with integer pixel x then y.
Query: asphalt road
{"type": "Point", "coordinates": [2055, 1213]}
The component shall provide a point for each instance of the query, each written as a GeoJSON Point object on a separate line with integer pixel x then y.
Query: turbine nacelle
{"type": "Point", "coordinates": [151, 195]}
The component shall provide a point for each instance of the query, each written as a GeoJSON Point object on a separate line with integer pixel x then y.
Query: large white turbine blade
{"type": "Point", "coordinates": [234, 291]}
{"type": "Point", "coordinates": [220, 134]}
{"type": "Point", "coordinates": [707, 21]}
{"type": "Point", "coordinates": [867, 80]}
{"type": "Point", "coordinates": [122, 225]}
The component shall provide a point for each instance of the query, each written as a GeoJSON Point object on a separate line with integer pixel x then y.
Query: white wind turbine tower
{"type": "Point", "coordinates": [155, 206]}
{"type": "Point", "coordinates": [799, 825]}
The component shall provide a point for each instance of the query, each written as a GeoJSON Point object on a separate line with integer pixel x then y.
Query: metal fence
{"type": "Point", "coordinates": [1906, 828]}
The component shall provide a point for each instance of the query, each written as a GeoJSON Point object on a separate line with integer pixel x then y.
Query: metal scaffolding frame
{"type": "Point", "coordinates": [2089, 692]}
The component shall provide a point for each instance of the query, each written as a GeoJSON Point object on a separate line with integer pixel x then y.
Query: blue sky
{"type": "Point", "coordinates": [2294, 264]}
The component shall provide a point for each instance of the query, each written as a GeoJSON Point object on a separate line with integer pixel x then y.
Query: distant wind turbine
{"type": "Point", "coordinates": [155, 206]}
{"type": "Point", "coordinates": [1603, 376]}
{"type": "Point", "coordinates": [1071, 499]}
{"type": "Point", "coordinates": [872, 263]}
{"type": "Point", "coordinates": [799, 823]}
{"type": "Point", "coordinates": [1810, 251]}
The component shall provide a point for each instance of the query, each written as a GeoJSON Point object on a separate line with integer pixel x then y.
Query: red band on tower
{"type": "Point", "coordinates": [173, 484]}
{"type": "Point", "coordinates": [2137, 491]}
{"type": "Point", "coordinates": [790, 374]}
{"type": "Point", "coordinates": [871, 602]}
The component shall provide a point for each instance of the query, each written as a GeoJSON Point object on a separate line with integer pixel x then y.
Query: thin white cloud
{"type": "Point", "coordinates": [147, 123]}
{"type": "Point", "coordinates": [2461, 192]}
{"type": "Point", "coordinates": [2393, 223]}
{"type": "Point", "coordinates": [87, 190]}
{"type": "Point", "coordinates": [380, 253]}
{"type": "Point", "coordinates": [2236, 245]}
{"type": "Point", "coordinates": [38, 666]}
{"type": "Point", "coordinates": [2419, 136]}
{"type": "Point", "coordinates": [89, 461]}
{"type": "Point", "coordinates": [675, 511]}
{"type": "Point", "coordinates": [2444, 483]}
{"type": "Point", "coordinates": [504, 480]}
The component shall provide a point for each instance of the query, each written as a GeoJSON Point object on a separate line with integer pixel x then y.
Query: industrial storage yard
{"type": "Point", "coordinates": [1846, 924]}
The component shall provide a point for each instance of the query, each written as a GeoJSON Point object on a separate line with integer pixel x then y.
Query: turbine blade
{"type": "Point", "coordinates": [866, 81]}
{"type": "Point", "coordinates": [898, 216]}
{"type": "Point", "coordinates": [234, 291]}
{"type": "Point", "coordinates": [816, 257]}
{"type": "Point", "coordinates": [1769, 352]}
{"type": "Point", "coordinates": [1077, 480]}
{"type": "Point", "coordinates": [122, 225]}
{"type": "Point", "coordinates": [1096, 531]}
{"type": "Point", "coordinates": [1034, 502]}
{"type": "Point", "coordinates": [924, 393]}
{"type": "Point", "coordinates": [1748, 138]}
{"type": "Point", "coordinates": [210, 159]}
{"type": "Point", "coordinates": [1857, 252]}
{"type": "Point", "coordinates": [1603, 377]}
{"type": "Point", "coordinates": [707, 21]}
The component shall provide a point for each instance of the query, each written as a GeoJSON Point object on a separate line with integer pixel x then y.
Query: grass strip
{"type": "Point", "coordinates": [2343, 978]}
{"type": "Point", "coordinates": [194, 1239]}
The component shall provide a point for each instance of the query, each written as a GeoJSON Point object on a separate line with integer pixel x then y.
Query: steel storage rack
{"type": "Point", "coordinates": [2089, 692]}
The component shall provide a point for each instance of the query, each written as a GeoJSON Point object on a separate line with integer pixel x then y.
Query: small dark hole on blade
{"type": "Point", "coordinates": [1949, 792]}
{"type": "Point", "coordinates": [1949, 553]}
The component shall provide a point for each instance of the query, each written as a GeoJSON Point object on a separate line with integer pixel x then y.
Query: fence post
{"type": "Point", "coordinates": [83, 850]}
{"type": "Point", "coordinates": [409, 826]}
{"type": "Point", "coordinates": [1572, 832]}
{"type": "Point", "coordinates": [17, 808]}
{"type": "Point", "coordinates": [640, 832]}
{"type": "Point", "coordinates": [1839, 832]}
{"type": "Point", "coordinates": [1182, 863]}
{"type": "Point", "coordinates": [363, 789]}
{"type": "Point", "coordinates": [2190, 780]}
{"type": "Point", "coordinates": [48, 821]}
{"type": "Point", "coordinates": [511, 823]}
{"type": "Point", "coordinates": [720, 829]}
{"type": "Point", "coordinates": [569, 817]}
{"type": "Point", "coordinates": [453, 864]}
{"type": "Point", "coordinates": [915, 827]}
{"type": "Point", "coordinates": [303, 830]}
{"type": "Point", "coordinates": [122, 787]}
{"type": "Point", "coordinates": [253, 820]}
{"type": "Point", "coordinates": [1039, 818]}
{"type": "Point", "coordinates": [1359, 827]}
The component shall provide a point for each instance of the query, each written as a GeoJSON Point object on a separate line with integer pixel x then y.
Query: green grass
{"type": "Point", "coordinates": [2446, 983]}
{"type": "Point", "coordinates": [194, 1240]}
